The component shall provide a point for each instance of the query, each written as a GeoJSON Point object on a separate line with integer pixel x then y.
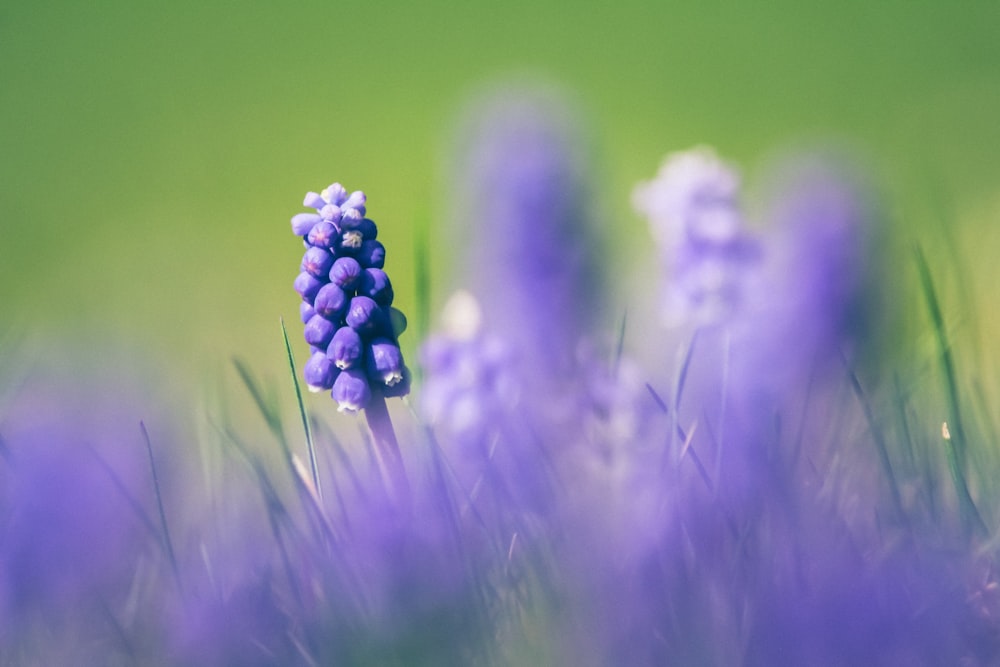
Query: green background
{"type": "Point", "coordinates": [154, 152]}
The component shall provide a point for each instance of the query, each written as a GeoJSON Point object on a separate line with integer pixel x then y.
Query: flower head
{"type": "Point", "coordinates": [693, 210]}
{"type": "Point", "coordinates": [523, 198]}
{"type": "Point", "coordinates": [346, 298]}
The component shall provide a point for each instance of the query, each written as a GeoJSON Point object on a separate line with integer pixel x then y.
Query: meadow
{"type": "Point", "coordinates": [634, 335]}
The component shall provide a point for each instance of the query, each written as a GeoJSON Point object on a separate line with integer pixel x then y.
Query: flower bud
{"type": "Point", "coordinates": [384, 362]}
{"type": "Point", "coordinates": [319, 372]}
{"type": "Point", "coordinates": [319, 331]}
{"type": "Point", "coordinates": [317, 262]}
{"type": "Point", "coordinates": [371, 254]}
{"type": "Point", "coordinates": [331, 213]}
{"type": "Point", "coordinates": [375, 284]}
{"type": "Point", "coordinates": [351, 218]}
{"type": "Point", "coordinates": [335, 194]}
{"type": "Point", "coordinates": [363, 315]}
{"type": "Point", "coordinates": [346, 348]}
{"type": "Point", "coordinates": [304, 222]}
{"type": "Point", "coordinates": [330, 302]}
{"type": "Point", "coordinates": [351, 390]}
{"type": "Point", "coordinates": [322, 235]}
{"type": "Point", "coordinates": [313, 200]}
{"type": "Point", "coordinates": [345, 273]}
{"type": "Point", "coordinates": [307, 285]}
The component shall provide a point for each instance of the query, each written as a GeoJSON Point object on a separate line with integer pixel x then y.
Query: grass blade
{"type": "Point", "coordinates": [167, 542]}
{"type": "Point", "coordinates": [953, 432]}
{"type": "Point", "coordinates": [314, 467]}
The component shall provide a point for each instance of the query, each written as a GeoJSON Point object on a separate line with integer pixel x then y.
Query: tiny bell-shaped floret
{"type": "Point", "coordinates": [302, 223]}
{"type": "Point", "coordinates": [356, 200]}
{"type": "Point", "coordinates": [351, 218]}
{"type": "Point", "coordinates": [314, 200]}
{"type": "Point", "coordinates": [307, 285]}
{"type": "Point", "coordinates": [345, 273]}
{"type": "Point", "coordinates": [363, 315]}
{"type": "Point", "coordinates": [331, 213]}
{"type": "Point", "coordinates": [319, 372]}
{"type": "Point", "coordinates": [375, 284]}
{"type": "Point", "coordinates": [368, 229]}
{"type": "Point", "coordinates": [317, 262]}
{"type": "Point", "coordinates": [346, 348]}
{"type": "Point", "coordinates": [351, 390]}
{"type": "Point", "coordinates": [330, 302]}
{"type": "Point", "coordinates": [384, 362]}
{"type": "Point", "coordinates": [334, 194]}
{"type": "Point", "coordinates": [323, 235]}
{"type": "Point", "coordinates": [319, 331]}
{"type": "Point", "coordinates": [371, 254]}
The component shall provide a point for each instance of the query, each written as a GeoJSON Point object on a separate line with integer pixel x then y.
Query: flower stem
{"type": "Point", "coordinates": [390, 461]}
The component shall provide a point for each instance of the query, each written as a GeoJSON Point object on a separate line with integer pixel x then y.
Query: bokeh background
{"type": "Point", "coordinates": [152, 153]}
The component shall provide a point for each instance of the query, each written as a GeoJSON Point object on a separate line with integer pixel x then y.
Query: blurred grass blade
{"type": "Point", "coordinates": [167, 542]}
{"type": "Point", "coordinates": [947, 361]}
{"type": "Point", "coordinates": [880, 443]}
{"type": "Point", "coordinates": [955, 435]}
{"type": "Point", "coordinates": [619, 346]}
{"type": "Point", "coordinates": [267, 408]}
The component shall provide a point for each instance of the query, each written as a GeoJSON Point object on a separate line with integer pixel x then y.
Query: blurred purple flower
{"type": "Point", "coordinates": [694, 213]}
{"type": "Point", "coordinates": [470, 378]}
{"type": "Point", "coordinates": [76, 499]}
{"type": "Point", "coordinates": [523, 211]}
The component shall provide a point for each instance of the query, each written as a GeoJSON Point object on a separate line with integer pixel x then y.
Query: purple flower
{"type": "Point", "coordinates": [824, 224]}
{"type": "Point", "coordinates": [319, 372]}
{"type": "Point", "coordinates": [302, 223]}
{"type": "Point", "coordinates": [330, 302]}
{"type": "Point", "coordinates": [363, 315]}
{"type": "Point", "coordinates": [347, 299]}
{"type": "Point", "coordinates": [521, 178]}
{"type": "Point", "coordinates": [307, 286]}
{"type": "Point", "coordinates": [469, 380]}
{"type": "Point", "coordinates": [346, 347]}
{"type": "Point", "coordinates": [319, 331]}
{"type": "Point", "coordinates": [351, 390]}
{"type": "Point", "coordinates": [322, 235]}
{"type": "Point", "coordinates": [694, 215]}
{"type": "Point", "coordinates": [345, 272]}
{"type": "Point", "coordinates": [317, 262]}
{"type": "Point", "coordinates": [385, 362]}
{"type": "Point", "coordinates": [375, 284]}
{"type": "Point", "coordinates": [75, 503]}
{"type": "Point", "coordinates": [371, 254]}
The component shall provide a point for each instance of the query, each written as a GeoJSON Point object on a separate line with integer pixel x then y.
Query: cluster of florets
{"type": "Point", "coordinates": [350, 324]}
{"type": "Point", "coordinates": [695, 217]}
{"type": "Point", "coordinates": [469, 381]}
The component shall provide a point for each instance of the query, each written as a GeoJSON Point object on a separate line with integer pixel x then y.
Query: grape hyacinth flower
{"type": "Point", "coordinates": [521, 178]}
{"type": "Point", "coordinates": [694, 215]}
{"type": "Point", "coordinates": [350, 323]}
{"type": "Point", "coordinates": [468, 379]}
{"type": "Point", "coordinates": [347, 301]}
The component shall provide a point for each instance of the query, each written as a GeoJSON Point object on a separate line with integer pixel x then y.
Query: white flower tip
{"type": "Point", "coordinates": [462, 316]}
